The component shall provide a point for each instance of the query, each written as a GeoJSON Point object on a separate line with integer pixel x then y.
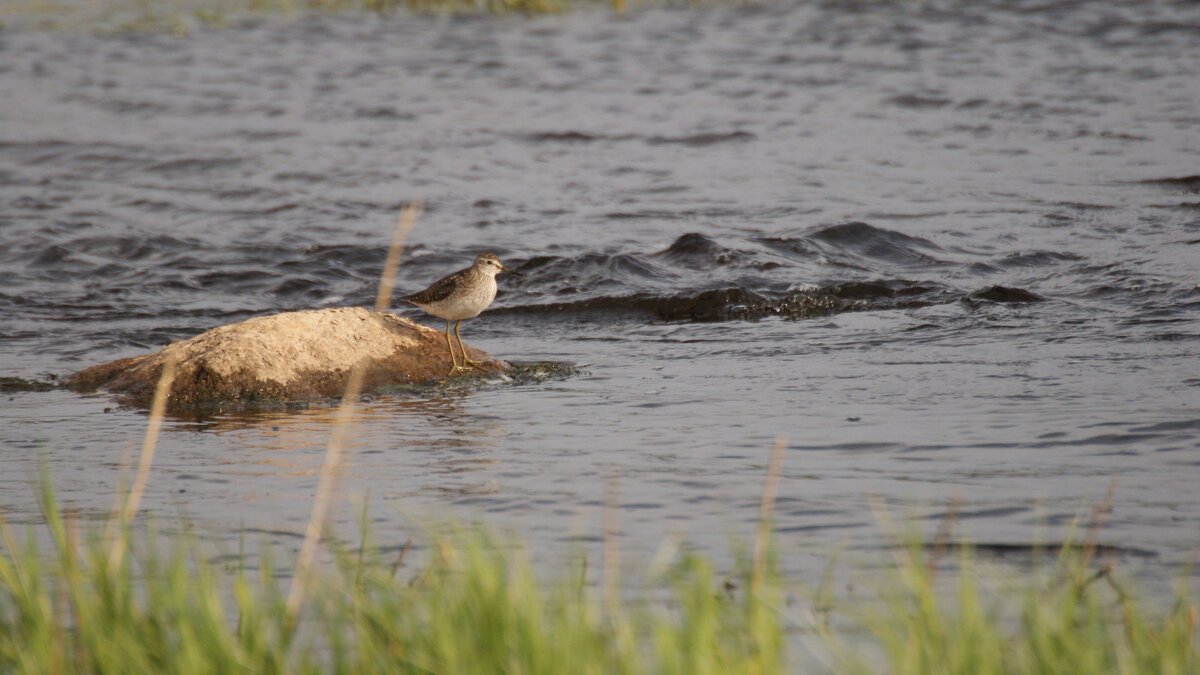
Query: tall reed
{"type": "Point", "coordinates": [331, 467]}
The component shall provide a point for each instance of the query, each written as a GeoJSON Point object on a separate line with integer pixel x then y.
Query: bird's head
{"type": "Point", "coordinates": [490, 264]}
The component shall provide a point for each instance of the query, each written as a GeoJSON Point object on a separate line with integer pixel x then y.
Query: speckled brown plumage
{"type": "Point", "coordinates": [442, 288]}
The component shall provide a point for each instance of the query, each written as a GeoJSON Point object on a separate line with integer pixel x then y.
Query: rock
{"type": "Point", "coordinates": [15, 384]}
{"type": "Point", "coordinates": [1004, 294]}
{"type": "Point", "coordinates": [284, 357]}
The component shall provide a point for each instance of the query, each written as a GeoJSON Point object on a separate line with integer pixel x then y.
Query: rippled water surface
{"type": "Point", "coordinates": [950, 251]}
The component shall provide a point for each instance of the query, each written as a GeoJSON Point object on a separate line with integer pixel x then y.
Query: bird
{"type": "Point", "coordinates": [462, 295]}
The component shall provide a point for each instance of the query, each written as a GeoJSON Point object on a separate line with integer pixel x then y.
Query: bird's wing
{"type": "Point", "coordinates": [440, 290]}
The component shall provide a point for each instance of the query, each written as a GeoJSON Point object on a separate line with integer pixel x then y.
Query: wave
{"type": "Point", "coordinates": [820, 271]}
{"type": "Point", "coordinates": [742, 304]}
{"type": "Point", "coordinates": [826, 270]}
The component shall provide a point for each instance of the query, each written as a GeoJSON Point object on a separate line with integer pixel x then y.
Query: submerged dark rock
{"type": "Point", "coordinates": [1185, 183]}
{"type": "Point", "coordinates": [716, 305]}
{"type": "Point", "coordinates": [15, 384]}
{"type": "Point", "coordinates": [1004, 294]}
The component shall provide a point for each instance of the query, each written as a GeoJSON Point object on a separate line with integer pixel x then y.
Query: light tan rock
{"type": "Point", "coordinates": [284, 357]}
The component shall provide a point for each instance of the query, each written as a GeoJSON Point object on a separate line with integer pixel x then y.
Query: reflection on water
{"type": "Point", "coordinates": [434, 432]}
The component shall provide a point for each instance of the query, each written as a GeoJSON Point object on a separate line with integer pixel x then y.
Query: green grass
{"type": "Point", "coordinates": [181, 17]}
{"type": "Point", "coordinates": [1068, 619]}
{"type": "Point", "coordinates": [105, 600]}
{"type": "Point", "coordinates": [149, 604]}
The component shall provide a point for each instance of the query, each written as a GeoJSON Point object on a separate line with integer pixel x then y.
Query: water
{"type": "Point", "coordinates": [948, 250]}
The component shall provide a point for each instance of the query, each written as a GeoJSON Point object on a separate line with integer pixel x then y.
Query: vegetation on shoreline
{"type": "Point", "coordinates": [180, 17]}
{"type": "Point", "coordinates": [107, 600]}
{"type": "Point", "coordinates": [126, 603]}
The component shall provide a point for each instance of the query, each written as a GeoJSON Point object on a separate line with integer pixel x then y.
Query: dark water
{"type": "Point", "coordinates": [950, 251]}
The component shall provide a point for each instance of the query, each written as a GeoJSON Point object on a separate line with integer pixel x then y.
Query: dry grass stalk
{"type": "Point", "coordinates": [157, 409]}
{"type": "Point", "coordinates": [329, 483]}
{"type": "Point", "coordinates": [611, 548]}
{"type": "Point", "coordinates": [896, 544]}
{"type": "Point", "coordinates": [328, 486]}
{"type": "Point", "coordinates": [941, 540]}
{"type": "Point", "coordinates": [400, 558]}
{"type": "Point", "coordinates": [404, 224]}
{"type": "Point", "coordinates": [770, 488]}
{"type": "Point", "coordinates": [1099, 515]}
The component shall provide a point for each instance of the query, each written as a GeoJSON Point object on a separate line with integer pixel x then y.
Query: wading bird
{"type": "Point", "coordinates": [462, 295]}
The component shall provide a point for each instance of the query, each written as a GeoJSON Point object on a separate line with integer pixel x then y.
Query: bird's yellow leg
{"type": "Point", "coordinates": [468, 361]}
{"type": "Point", "coordinates": [454, 367]}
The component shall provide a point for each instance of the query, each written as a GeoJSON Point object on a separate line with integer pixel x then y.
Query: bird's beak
{"type": "Point", "coordinates": [511, 271]}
